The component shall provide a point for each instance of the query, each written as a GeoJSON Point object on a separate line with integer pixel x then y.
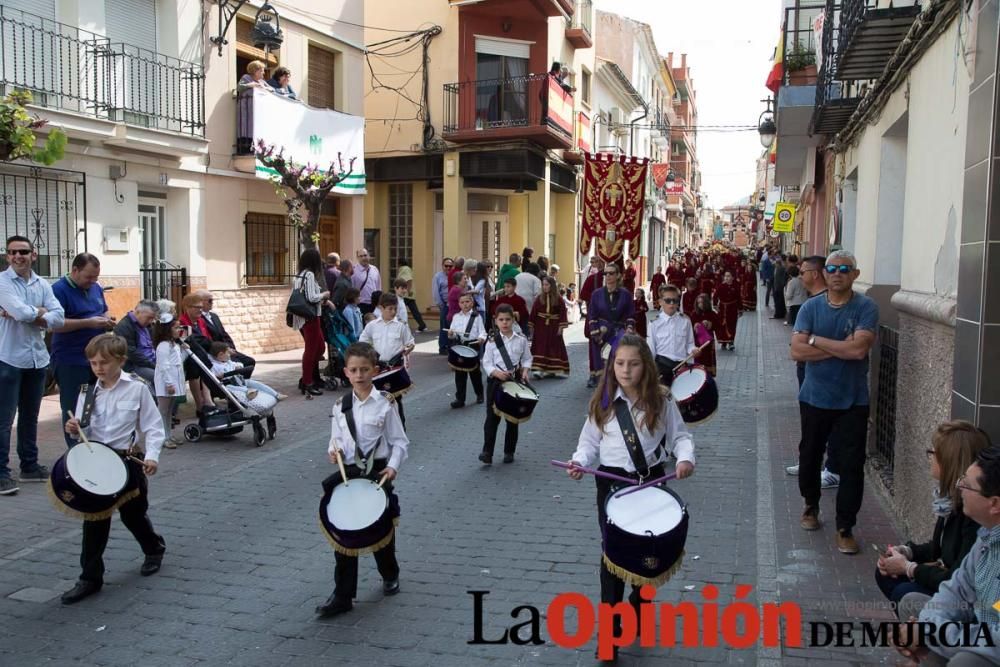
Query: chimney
{"type": "Point", "coordinates": [670, 59]}
{"type": "Point", "coordinates": [684, 62]}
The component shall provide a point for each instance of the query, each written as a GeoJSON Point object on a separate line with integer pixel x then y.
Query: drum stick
{"type": "Point", "coordinates": [340, 464]}
{"type": "Point", "coordinates": [591, 471]}
{"type": "Point", "coordinates": [687, 358]}
{"type": "Point", "coordinates": [665, 478]}
{"type": "Point", "coordinates": [382, 481]}
{"type": "Point", "coordinates": [80, 433]}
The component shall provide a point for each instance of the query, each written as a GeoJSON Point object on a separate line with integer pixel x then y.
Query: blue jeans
{"type": "Point", "coordinates": [443, 334]}
{"type": "Point", "coordinates": [894, 588]}
{"type": "Point", "coordinates": [70, 378]}
{"type": "Point", "coordinates": [21, 395]}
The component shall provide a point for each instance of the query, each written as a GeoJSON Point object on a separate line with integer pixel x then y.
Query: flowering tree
{"type": "Point", "coordinates": [17, 132]}
{"type": "Point", "coordinates": [302, 187]}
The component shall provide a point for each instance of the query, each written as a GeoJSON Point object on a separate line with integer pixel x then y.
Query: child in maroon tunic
{"type": "Point", "coordinates": [727, 300]}
{"type": "Point", "coordinates": [641, 308]}
{"type": "Point", "coordinates": [548, 320]}
{"type": "Point", "coordinates": [690, 294]}
{"type": "Point", "coordinates": [705, 321]}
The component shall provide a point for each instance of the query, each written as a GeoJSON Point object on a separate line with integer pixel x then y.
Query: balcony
{"type": "Point", "coordinates": [68, 69]}
{"type": "Point", "coordinates": [800, 48]}
{"type": "Point", "coordinates": [532, 107]}
{"type": "Point", "coordinates": [836, 100]}
{"type": "Point", "coordinates": [579, 31]}
{"type": "Point", "coordinates": [870, 33]}
{"type": "Point", "coordinates": [546, 7]}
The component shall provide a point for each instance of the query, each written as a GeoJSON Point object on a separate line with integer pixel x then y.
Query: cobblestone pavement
{"type": "Point", "coordinates": [246, 562]}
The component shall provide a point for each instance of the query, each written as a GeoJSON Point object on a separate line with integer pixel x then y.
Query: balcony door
{"type": "Point", "coordinates": [502, 86]}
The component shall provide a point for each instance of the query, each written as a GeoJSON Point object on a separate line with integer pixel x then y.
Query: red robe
{"type": "Point", "coordinates": [517, 303]}
{"type": "Point", "coordinates": [706, 285]}
{"type": "Point", "coordinates": [548, 350]}
{"type": "Point", "coordinates": [687, 301]}
{"type": "Point", "coordinates": [641, 308]}
{"type": "Point", "coordinates": [658, 281]}
{"type": "Point", "coordinates": [748, 288]}
{"type": "Point", "coordinates": [727, 301]}
{"type": "Point", "coordinates": [628, 281]}
{"type": "Point", "coordinates": [675, 277]}
{"type": "Point", "coordinates": [707, 356]}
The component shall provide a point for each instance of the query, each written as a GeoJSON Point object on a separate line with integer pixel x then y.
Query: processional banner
{"type": "Point", "coordinates": [614, 197]}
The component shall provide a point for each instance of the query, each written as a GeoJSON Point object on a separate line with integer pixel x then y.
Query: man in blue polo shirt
{"type": "Point", "coordinates": [86, 312]}
{"type": "Point", "coordinates": [833, 335]}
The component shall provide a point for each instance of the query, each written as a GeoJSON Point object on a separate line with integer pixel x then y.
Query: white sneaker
{"type": "Point", "coordinates": [829, 480]}
{"type": "Point", "coordinates": [792, 470]}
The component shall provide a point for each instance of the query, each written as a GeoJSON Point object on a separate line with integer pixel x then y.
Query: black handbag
{"type": "Point", "coordinates": [298, 304]}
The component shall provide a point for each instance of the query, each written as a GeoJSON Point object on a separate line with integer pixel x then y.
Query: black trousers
{"type": "Point", "coordinates": [493, 423]}
{"type": "Point", "coordinates": [831, 444]}
{"type": "Point", "coordinates": [779, 302]}
{"type": "Point", "coordinates": [851, 429]}
{"type": "Point", "coordinates": [402, 416]}
{"type": "Point", "coordinates": [133, 514]}
{"type": "Point", "coordinates": [411, 305]}
{"type": "Point", "coordinates": [462, 382]}
{"type": "Point", "coordinates": [613, 588]}
{"type": "Point", "coordinates": [666, 368]}
{"type": "Point", "coordinates": [345, 573]}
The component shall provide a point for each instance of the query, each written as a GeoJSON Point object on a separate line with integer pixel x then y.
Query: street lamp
{"type": "Point", "coordinates": [265, 35]}
{"type": "Point", "coordinates": [766, 127]}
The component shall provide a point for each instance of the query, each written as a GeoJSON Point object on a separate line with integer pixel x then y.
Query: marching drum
{"type": "Point", "coordinates": [396, 381]}
{"type": "Point", "coordinates": [644, 534]}
{"type": "Point", "coordinates": [696, 394]}
{"type": "Point", "coordinates": [463, 358]}
{"type": "Point", "coordinates": [514, 401]}
{"type": "Point", "coordinates": [358, 517]}
{"type": "Point", "coordinates": [91, 481]}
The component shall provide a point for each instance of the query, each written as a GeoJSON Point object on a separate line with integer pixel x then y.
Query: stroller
{"type": "Point", "coordinates": [239, 411]}
{"type": "Point", "coordinates": [339, 335]}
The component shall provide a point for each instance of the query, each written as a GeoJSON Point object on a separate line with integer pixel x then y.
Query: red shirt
{"type": "Point", "coordinates": [202, 327]}
{"type": "Point", "coordinates": [517, 303]}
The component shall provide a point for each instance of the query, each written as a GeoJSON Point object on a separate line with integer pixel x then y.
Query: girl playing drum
{"type": "Point", "coordinates": [631, 381]}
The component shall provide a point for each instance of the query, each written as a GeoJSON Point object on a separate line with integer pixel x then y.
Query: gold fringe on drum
{"type": "Point", "coordinates": [88, 516]}
{"type": "Point", "coordinates": [637, 580]}
{"type": "Point", "coordinates": [512, 419]}
{"type": "Point", "coordinates": [463, 370]}
{"type": "Point", "coordinates": [381, 544]}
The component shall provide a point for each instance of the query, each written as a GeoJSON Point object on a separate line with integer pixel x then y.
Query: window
{"type": "Point", "coordinates": [320, 81]}
{"type": "Point", "coordinates": [585, 85]}
{"type": "Point", "coordinates": [272, 249]}
{"type": "Point", "coordinates": [502, 92]}
{"type": "Point", "coordinates": [400, 225]}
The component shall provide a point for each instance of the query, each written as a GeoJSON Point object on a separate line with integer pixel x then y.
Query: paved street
{"type": "Point", "coordinates": [246, 562]}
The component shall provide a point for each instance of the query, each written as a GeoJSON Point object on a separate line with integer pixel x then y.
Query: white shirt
{"type": "Point", "coordinates": [378, 425]}
{"type": "Point", "coordinates": [671, 336]}
{"type": "Point", "coordinates": [121, 410]}
{"type": "Point", "coordinates": [401, 313]}
{"type": "Point", "coordinates": [388, 338]}
{"type": "Point", "coordinates": [528, 288]}
{"type": "Point", "coordinates": [608, 448]}
{"type": "Point", "coordinates": [22, 344]}
{"type": "Point", "coordinates": [169, 369]}
{"type": "Point", "coordinates": [518, 349]}
{"type": "Point", "coordinates": [461, 321]}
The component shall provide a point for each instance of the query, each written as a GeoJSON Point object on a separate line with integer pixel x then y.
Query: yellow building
{"type": "Point", "coordinates": [478, 160]}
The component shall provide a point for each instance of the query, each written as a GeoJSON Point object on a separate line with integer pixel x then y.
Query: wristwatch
{"type": "Point", "coordinates": [812, 340]}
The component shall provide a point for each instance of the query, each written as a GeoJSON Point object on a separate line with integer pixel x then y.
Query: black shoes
{"type": "Point", "coordinates": [334, 606]}
{"type": "Point", "coordinates": [592, 382]}
{"type": "Point", "coordinates": [312, 390]}
{"type": "Point", "coordinates": [151, 565]}
{"type": "Point", "coordinates": [83, 589]}
{"type": "Point", "coordinates": [457, 404]}
{"type": "Point", "coordinates": [486, 458]}
{"type": "Point", "coordinates": [508, 458]}
{"type": "Point", "coordinates": [479, 400]}
{"type": "Point", "coordinates": [390, 586]}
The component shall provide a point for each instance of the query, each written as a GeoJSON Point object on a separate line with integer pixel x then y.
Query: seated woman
{"type": "Point", "coordinates": [922, 568]}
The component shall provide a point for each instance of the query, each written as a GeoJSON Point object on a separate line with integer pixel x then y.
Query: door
{"type": "Point", "coordinates": [490, 238]}
{"type": "Point", "coordinates": [329, 235]}
{"type": "Point", "coordinates": [153, 251]}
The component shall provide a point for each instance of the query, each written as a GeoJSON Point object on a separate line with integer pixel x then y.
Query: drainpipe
{"type": "Point", "coordinates": [631, 132]}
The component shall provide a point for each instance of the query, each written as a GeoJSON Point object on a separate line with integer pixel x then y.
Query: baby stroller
{"type": "Point", "coordinates": [339, 335]}
{"type": "Point", "coordinates": [239, 411]}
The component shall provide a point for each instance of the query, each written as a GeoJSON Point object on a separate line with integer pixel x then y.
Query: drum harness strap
{"type": "Point", "coordinates": [90, 397]}
{"type": "Point", "coordinates": [632, 443]}
{"type": "Point", "coordinates": [502, 349]}
{"type": "Point", "coordinates": [365, 464]}
{"type": "Point", "coordinates": [468, 325]}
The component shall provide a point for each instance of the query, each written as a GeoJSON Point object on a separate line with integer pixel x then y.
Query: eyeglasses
{"type": "Point", "coordinates": [24, 252]}
{"type": "Point", "coordinates": [448, 266]}
{"type": "Point", "coordinates": [611, 273]}
{"type": "Point", "coordinates": [930, 452]}
{"type": "Point", "coordinates": [843, 268]}
{"type": "Point", "coordinates": [807, 270]}
{"type": "Point", "coordinates": [959, 484]}
{"type": "Point", "coordinates": [671, 300]}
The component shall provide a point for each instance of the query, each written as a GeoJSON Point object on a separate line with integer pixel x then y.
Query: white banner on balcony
{"type": "Point", "coordinates": [311, 136]}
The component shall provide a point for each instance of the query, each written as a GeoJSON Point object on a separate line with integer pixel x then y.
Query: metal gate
{"type": "Point", "coordinates": [48, 206]}
{"type": "Point", "coordinates": [883, 454]}
{"type": "Point", "coordinates": [164, 281]}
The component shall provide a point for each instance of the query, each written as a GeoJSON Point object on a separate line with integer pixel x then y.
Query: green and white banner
{"type": "Point", "coordinates": [311, 136]}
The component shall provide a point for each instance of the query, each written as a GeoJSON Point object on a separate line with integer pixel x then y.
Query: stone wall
{"type": "Point", "coordinates": [923, 400]}
{"type": "Point", "coordinates": [255, 318]}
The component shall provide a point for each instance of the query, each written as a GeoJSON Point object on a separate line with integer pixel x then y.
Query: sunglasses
{"type": "Point", "coordinates": [843, 268]}
{"type": "Point", "coordinates": [19, 251]}
{"type": "Point", "coordinates": [671, 300]}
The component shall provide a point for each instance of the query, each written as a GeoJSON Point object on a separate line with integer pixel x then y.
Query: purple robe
{"type": "Point", "coordinates": [614, 313]}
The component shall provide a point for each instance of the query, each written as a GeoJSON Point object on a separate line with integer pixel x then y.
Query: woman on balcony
{"type": "Point", "coordinates": [254, 78]}
{"type": "Point", "coordinates": [279, 82]}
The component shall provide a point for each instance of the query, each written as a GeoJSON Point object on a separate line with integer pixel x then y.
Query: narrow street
{"type": "Point", "coordinates": [246, 562]}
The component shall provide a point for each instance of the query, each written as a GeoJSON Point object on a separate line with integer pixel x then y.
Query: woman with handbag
{"type": "Point", "coordinates": [305, 305]}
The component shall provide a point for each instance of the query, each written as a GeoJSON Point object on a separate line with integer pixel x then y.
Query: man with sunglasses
{"type": "Point", "coordinates": [833, 335]}
{"type": "Point", "coordinates": [29, 308]}
{"type": "Point", "coordinates": [969, 596]}
{"type": "Point", "coordinates": [611, 311]}
{"type": "Point", "coordinates": [439, 295]}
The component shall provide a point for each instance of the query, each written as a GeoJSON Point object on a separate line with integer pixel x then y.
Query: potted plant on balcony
{"type": "Point", "coordinates": [17, 132]}
{"type": "Point", "coordinates": [800, 64]}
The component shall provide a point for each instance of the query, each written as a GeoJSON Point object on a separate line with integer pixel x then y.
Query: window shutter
{"type": "Point", "coordinates": [131, 22]}
{"type": "Point", "coordinates": [44, 8]}
{"type": "Point", "coordinates": [321, 77]}
{"type": "Point", "coordinates": [502, 47]}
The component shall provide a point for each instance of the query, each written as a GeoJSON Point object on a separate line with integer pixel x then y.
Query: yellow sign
{"type": "Point", "coordinates": [784, 217]}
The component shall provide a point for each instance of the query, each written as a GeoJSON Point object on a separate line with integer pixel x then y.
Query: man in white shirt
{"type": "Point", "coordinates": [367, 280]}
{"type": "Point", "coordinates": [529, 285]}
{"type": "Point", "coordinates": [27, 309]}
{"type": "Point", "coordinates": [670, 336]}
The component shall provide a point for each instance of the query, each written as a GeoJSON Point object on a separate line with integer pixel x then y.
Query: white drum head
{"type": "Point", "coordinates": [650, 509]}
{"type": "Point", "coordinates": [356, 504]}
{"type": "Point", "coordinates": [688, 383]}
{"type": "Point", "coordinates": [96, 469]}
{"type": "Point", "coordinates": [465, 351]}
{"type": "Point", "coordinates": [519, 391]}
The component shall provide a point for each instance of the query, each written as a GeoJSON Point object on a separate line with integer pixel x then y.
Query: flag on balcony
{"type": "Point", "coordinates": [660, 171]}
{"type": "Point", "coordinates": [778, 69]}
{"type": "Point", "coordinates": [614, 197]}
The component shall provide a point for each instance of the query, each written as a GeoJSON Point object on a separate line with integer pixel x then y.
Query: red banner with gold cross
{"type": "Point", "coordinates": [614, 195]}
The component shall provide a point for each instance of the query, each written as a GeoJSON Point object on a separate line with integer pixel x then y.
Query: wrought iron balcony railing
{"type": "Point", "coordinates": [801, 46]}
{"type": "Point", "coordinates": [582, 16]}
{"type": "Point", "coordinates": [67, 68]}
{"type": "Point", "coordinates": [835, 100]}
{"type": "Point", "coordinates": [870, 32]}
